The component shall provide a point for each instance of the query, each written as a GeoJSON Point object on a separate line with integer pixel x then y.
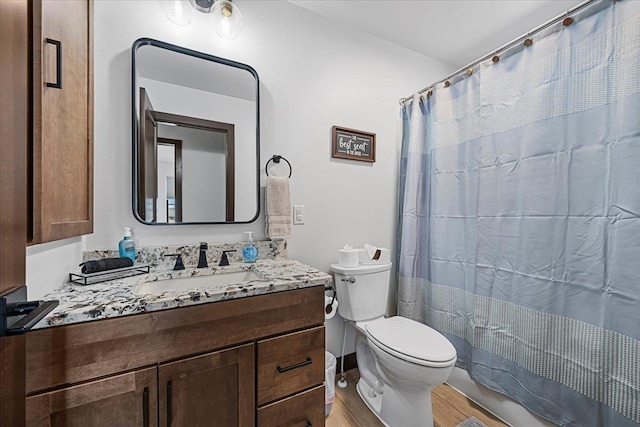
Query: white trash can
{"type": "Point", "coordinates": [330, 381]}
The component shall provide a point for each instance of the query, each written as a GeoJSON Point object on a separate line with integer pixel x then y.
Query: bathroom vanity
{"type": "Point", "coordinates": [249, 353]}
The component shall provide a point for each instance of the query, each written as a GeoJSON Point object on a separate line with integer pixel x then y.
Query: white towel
{"type": "Point", "coordinates": [278, 213]}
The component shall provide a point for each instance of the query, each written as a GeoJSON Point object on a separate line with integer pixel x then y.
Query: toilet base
{"type": "Point", "coordinates": [373, 403]}
{"type": "Point", "coordinates": [401, 410]}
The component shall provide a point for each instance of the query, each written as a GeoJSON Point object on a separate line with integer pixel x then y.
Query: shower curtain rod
{"type": "Point", "coordinates": [506, 46]}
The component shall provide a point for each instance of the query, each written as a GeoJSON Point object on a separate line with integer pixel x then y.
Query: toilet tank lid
{"type": "Point", "coordinates": [361, 269]}
{"type": "Point", "coordinates": [411, 338]}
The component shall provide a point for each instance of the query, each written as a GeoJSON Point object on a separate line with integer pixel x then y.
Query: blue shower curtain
{"type": "Point", "coordinates": [519, 227]}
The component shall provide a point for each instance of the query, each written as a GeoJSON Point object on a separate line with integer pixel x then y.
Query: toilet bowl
{"type": "Point", "coordinates": [400, 360]}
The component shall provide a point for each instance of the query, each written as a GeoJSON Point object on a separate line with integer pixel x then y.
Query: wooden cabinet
{"type": "Point", "coordinates": [121, 400]}
{"type": "Point", "coordinates": [209, 362]}
{"type": "Point", "coordinates": [290, 363]}
{"type": "Point", "coordinates": [290, 375]}
{"type": "Point", "coordinates": [216, 389]}
{"type": "Point", "coordinates": [305, 409]}
{"type": "Point", "coordinates": [14, 110]}
{"type": "Point", "coordinates": [62, 120]}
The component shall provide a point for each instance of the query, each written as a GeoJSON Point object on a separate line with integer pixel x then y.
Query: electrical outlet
{"type": "Point", "coordinates": [298, 214]}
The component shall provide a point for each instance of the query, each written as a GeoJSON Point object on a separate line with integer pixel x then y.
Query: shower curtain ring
{"type": "Point", "coordinates": [568, 20]}
{"type": "Point", "coordinates": [527, 41]}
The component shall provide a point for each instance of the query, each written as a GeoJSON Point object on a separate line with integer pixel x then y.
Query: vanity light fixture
{"type": "Point", "coordinates": [227, 18]}
{"type": "Point", "coordinates": [179, 11]}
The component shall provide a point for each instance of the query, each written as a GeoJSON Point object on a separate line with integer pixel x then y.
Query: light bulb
{"type": "Point", "coordinates": [227, 19]}
{"type": "Point", "coordinates": [179, 12]}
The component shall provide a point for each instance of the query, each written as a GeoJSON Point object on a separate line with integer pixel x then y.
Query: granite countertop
{"type": "Point", "coordinates": [121, 297]}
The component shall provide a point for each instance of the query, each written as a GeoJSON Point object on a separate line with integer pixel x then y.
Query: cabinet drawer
{"type": "Point", "coordinates": [302, 410]}
{"type": "Point", "coordinates": [290, 363]}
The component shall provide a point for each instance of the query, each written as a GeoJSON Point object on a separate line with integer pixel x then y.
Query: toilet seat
{"type": "Point", "coordinates": [411, 341]}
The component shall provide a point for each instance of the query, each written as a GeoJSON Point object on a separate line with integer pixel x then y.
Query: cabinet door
{"type": "Point", "coordinates": [125, 400]}
{"type": "Point", "coordinates": [62, 195]}
{"type": "Point", "coordinates": [216, 389]}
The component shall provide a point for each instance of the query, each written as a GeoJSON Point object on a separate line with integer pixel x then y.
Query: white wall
{"type": "Point", "coordinates": [170, 98]}
{"type": "Point", "coordinates": [49, 264]}
{"type": "Point", "coordinates": [313, 73]}
{"type": "Point", "coordinates": [165, 170]}
{"type": "Point", "coordinates": [204, 178]}
{"type": "Point", "coordinates": [203, 172]}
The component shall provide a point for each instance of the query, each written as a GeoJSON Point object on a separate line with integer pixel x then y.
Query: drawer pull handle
{"type": "Point", "coordinates": [58, 45]}
{"type": "Point", "coordinates": [145, 407]}
{"type": "Point", "coordinates": [297, 365]}
{"type": "Point", "coordinates": [308, 424]}
{"type": "Point", "coordinates": [169, 403]}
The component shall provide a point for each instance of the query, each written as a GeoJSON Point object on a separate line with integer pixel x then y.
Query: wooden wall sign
{"type": "Point", "coordinates": [353, 144]}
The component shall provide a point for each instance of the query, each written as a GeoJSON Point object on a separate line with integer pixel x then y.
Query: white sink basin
{"type": "Point", "coordinates": [184, 283]}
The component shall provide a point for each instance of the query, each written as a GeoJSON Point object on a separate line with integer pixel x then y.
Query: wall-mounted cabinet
{"type": "Point", "coordinates": [62, 120]}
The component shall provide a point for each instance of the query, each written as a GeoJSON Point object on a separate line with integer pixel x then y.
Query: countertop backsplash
{"type": "Point", "coordinates": [154, 255]}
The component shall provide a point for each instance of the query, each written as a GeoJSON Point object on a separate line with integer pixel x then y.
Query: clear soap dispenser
{"type": "Point", "coordinates": [249, 251]}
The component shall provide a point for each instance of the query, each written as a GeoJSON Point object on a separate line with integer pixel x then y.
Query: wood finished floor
{"type": "Point", "coordinates": [450, 408]}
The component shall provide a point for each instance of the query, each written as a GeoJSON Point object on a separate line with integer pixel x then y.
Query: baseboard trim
{"type": "Point", "coordinates": [350, 362]}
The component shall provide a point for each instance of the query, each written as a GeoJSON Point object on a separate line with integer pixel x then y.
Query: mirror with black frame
{"type": "Point", "coordinates": [196, 137]}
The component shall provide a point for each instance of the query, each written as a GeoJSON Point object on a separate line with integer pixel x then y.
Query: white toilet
{"type": "Point", "coordinates": [400, 360]}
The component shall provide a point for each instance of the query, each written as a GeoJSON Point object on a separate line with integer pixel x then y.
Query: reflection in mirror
{"type": "Point", "coordinates": [196, 137]}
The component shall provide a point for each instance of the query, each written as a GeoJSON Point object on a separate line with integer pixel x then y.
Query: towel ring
{"type": "Point", "coordinates": [276, 159]}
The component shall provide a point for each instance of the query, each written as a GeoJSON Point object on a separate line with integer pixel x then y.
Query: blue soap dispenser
{"type": "Point", "coordinates": [127, 247]}
{"type": "Point", "coordinates": [249, 251]}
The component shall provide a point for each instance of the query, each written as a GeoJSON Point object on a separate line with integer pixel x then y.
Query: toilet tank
{"type": "Point", "coordinates": [362, 291]}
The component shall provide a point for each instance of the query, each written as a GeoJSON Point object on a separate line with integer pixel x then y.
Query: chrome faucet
{"type": "Point", "coordinates": [202, 260]}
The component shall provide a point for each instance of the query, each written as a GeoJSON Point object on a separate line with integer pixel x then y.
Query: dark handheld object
{"type": "Point", "coordinates": [17, 315]}
{"type": "Point", "coordinates": [89, 267]}
{"type": "Point", "coordinates": [328, 307]}
{"type": "Point", "coordinates": [179, 265]}
{"type": "Point", "coordinates": [224, 260]}
{"type": "Point", "coordinates": [276, 159]}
